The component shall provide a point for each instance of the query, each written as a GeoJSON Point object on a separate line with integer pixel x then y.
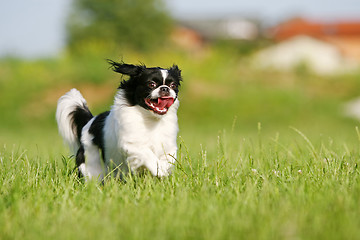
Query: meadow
{"type": "Point", "coordinates": [262, 154]}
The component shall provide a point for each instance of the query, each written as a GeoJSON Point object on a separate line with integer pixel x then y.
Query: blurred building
{"type": "Point", "coordinates": [326, 47]}
{"type": "Point", "coordinates": [226, 28]}
{"type": "Point", "coordinates": [343, 35]}
{"type": "Point", "coordinates": [187, 38]}
{"type": "Point", "coordinates": [194, 33]}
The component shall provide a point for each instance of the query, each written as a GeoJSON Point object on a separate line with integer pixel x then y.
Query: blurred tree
{"type": "Point", "coordinates": [136, 23]}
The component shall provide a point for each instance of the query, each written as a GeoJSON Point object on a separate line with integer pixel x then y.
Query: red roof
{"type": "Point", "coordinates": [299, 26]}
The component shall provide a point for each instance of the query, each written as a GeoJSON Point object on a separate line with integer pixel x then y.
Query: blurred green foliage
{"type": "Point", "coordinates": [128, 23]}
{"type": "Point", "coordinates": [221, 91]}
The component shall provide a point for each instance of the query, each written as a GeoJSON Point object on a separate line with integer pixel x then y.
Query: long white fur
{"type": "Point", "coordinates": [66, 105]}
{"type": "Point", "coordinates": [137, 138]}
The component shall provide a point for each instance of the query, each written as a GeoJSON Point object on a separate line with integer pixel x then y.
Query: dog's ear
{"type": "Point", "coordinates": [126, 69]}
{"type": "Point", "coordinates": [175, 71]}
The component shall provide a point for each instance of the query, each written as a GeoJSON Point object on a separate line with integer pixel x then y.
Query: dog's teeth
{"type": "Point", "coordinates": [160, 110]}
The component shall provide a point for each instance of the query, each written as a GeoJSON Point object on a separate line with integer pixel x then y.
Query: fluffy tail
{"type": "Point", "coordinates": [72, 114]}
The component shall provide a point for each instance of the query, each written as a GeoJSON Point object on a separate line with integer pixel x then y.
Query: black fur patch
{"type": "Point", "coordinates": [97, 130]}
{"type": "Point", "coordinates": [80, 158]}
{"type": "Point", "coordinates": [80, 117]}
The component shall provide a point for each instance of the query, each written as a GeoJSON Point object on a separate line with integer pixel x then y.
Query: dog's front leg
{"type": "Point", "coordinates": [166, 162]}
{"type": "Point", "coordinates": [145, 158]}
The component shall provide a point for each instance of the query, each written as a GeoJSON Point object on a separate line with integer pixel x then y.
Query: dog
{"type": "Point", "coordinates": [138, 134]}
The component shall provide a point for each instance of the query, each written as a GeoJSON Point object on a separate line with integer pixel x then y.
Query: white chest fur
{"type": "Point", "coordinates": [138, 139]}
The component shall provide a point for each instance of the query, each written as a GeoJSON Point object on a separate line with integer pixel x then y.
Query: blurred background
{"type": "Point", "coordinates": [245, 64]}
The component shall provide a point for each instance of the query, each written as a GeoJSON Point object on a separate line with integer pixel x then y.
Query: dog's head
{"type": "Point", "coordinates": [154, 89]}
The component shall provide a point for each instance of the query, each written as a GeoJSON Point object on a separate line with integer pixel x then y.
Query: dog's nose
{"type": "Point", "coordinates": [164, 89]}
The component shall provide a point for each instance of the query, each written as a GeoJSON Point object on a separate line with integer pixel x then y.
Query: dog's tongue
{"type": "Point", "coordinates": [164, 102]}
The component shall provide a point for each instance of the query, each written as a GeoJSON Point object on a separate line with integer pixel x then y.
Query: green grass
{"type": "Point", "coordinates": [262, 190]}
{"type": "Point", "coordinates": [262, 155]}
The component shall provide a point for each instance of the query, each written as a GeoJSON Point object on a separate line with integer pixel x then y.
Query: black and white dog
{"type": "Point", "coordinates": [138, 133]}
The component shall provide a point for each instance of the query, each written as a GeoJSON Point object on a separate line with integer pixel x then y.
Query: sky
{"type": "Point", "coordinates": [32, 28]}
{"type": "Point", "coordinates": [267, 10]}
{"type": "Point", "coordinates": [36, 28]}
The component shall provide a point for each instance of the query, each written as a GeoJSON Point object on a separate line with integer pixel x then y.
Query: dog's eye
{"type": "Point", "coordinates": [152, 84]}
{"type": "Point", "coordinates": [172, 85]}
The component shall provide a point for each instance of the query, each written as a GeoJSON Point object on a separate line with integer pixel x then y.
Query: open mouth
{"type": "Point", "coordinates": [159, 105]}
